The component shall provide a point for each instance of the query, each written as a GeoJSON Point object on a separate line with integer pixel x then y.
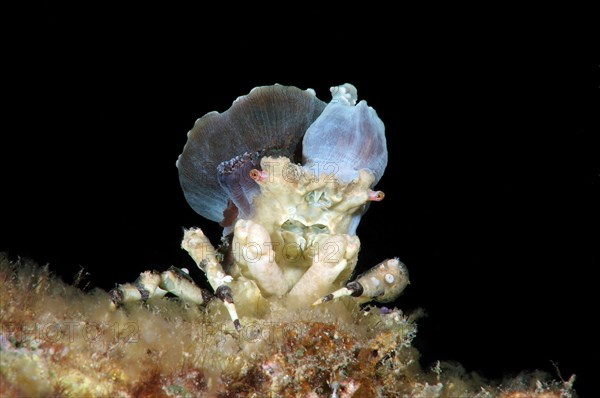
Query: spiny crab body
{"type": "Point", "coordinates": [289, 229]}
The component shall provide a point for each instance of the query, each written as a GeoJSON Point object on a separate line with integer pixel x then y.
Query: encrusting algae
{"type": "Point", "coordinates": [56, 340]}
{"type": "Point", "coordinates": [287, 316]}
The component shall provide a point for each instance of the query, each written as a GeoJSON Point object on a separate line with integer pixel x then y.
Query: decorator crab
{"type": "Point", "coordinates": [288, 177]}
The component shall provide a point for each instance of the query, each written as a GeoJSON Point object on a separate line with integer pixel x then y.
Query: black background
{"type": "Point", "coordinates": [492, 187]}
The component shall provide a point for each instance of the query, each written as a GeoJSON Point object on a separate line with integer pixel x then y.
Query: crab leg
{"type": "Point", "coordinates": [201, 250]}
{"type": "Point", "coordinates": [152, 284]}
{"type": "Point", "coordinates": [384, 283]}
{"type": "Point", "coordinates": [254, 251]}
{"type": "Point", "coordinates": [334, 256]}
{"type": "Point", "coordinates": [178, 282]}
{"type": "Point", "coordinates": [144, 287]}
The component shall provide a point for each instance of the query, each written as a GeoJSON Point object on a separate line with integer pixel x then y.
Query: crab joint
{"type": "Point", "coordinates": [204, 254]}
{"type": "Point", "coordinates": [179, 283]}
{"type": "Point", "coordinates": [384, 283]}
{"type": "Point", "coordinates": [224, 293]}
{"type": "Point", "coordinates": [258, 175]}
{"type": "Point", "coordinates": [375, 196]}
{"type": "Point", "coordinates": [144, 287]}
{"type": "Point", "coordinates": [152, 284]}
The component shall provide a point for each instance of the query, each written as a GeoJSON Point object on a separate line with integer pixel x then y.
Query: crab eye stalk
{"type": "Point", "coordinates": [375, 196]}
{"type": "Point", "coordinates": [258, 175]}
